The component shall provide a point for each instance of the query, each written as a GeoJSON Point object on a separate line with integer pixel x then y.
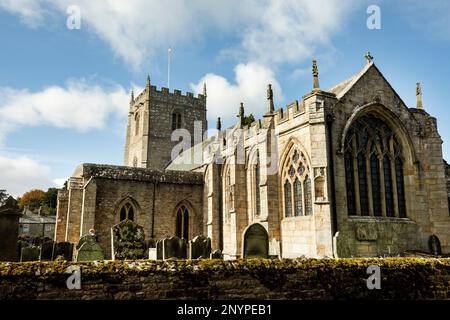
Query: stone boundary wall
{"type": "Point", "coordinates": [401, 278]}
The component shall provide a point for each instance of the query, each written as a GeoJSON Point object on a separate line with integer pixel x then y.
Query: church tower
{"type": "Point", "coordinates": [153, 116]}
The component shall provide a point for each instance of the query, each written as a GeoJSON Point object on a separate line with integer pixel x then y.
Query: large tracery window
{"type": "Point", "coordinates": [374, 170]}
{"type": "Point", "coordinates": [297, 187]}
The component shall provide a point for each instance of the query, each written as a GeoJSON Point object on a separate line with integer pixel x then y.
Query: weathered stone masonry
{"type": "Point", "coordinates": [447, 175]}
{"type": "Point", "coordinates": [102, 188]}
{"type": "Point", "coordinates": [358, 174]}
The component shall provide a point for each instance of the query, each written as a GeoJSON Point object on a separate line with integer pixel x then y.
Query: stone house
{"type": "Point", "coordinates": [36, 225]}
{"type": "Point", "coordinates": [348, 171]}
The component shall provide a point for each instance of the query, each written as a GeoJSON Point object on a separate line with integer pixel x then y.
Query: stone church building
{"type": "Point", "coordinates": [348, 171]}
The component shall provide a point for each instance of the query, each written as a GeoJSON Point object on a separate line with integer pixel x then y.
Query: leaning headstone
{"type": "Point", "coordinates": [127, 241]}
{"type": "Point", "coordinates": [30, 254]}
{"type": "Point", "coordinates": [64, 249]}
{"type": "Point", "coordinates": [434, 245]}
{"type": "Point", "coordinates": [216, 254]}
{"type": "Point", "coordinates": [47, 250]}
{"type": "Point", "coordinates": [89, 250]}
{"type": "Point", "coordinates": [174, 248]}
{"type": "Point", "coordinates": [200, 248]}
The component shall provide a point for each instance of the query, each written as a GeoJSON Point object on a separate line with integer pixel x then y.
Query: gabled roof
{"type": "Point", "coordinates": [343, 87]}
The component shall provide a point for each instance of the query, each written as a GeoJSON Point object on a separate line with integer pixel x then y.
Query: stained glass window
{"type": "Point", "coordinates": [388, 187]}
{"type": "Point", "coordinates": [287, 199]}
{"type": "Point", "coordinates": [376, 185]}
{"type": "Point", "coordinates": [298, 197]}
{"type": "Point", "coordinates": [349, 181]}
{"type": "Point", "coordinates": [400, 187]}
{"type": "Point", "coordinates": [308, 196]}
{"type": "Point", "coordinates": [362, 174]}
{"type": "Point", "coordinates": [370, 139]}
{"type": "Point", "coordinates": [297, 186]}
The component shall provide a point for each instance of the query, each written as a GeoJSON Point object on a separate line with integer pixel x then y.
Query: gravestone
{"type": "Point", "coordinates": [64, 249]}
{"type": "Point", "coordinates": [31, 253]}
{"type": "Point", "coordinates": [216, 254]}
{"type": "Point", "coordinates": [434, 245]}
{"type": "Point", "coordinates": [200, 248]}
{"type": "Point", "coordinates": [274, 249]}
{"type": "Point", "coordinates": [47, 250]}
{"type": "Point", "coordinates": [256, 242]}
{"type": "Point", "coordinates": [174, 248]}
{"type": "Point", "coordinates": [89, 249]}
{"type": "Point", "coordinates": [127, 241]}
{"type": "Point", "coordinates": [152, 254]}
{"type": "Point", "coordinates": [9, 230]}
{"type": "Point", "coordinates": [159, 249]}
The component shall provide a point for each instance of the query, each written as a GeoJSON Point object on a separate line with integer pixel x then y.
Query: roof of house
{"type": "Point", "coordinates": [34, 218]}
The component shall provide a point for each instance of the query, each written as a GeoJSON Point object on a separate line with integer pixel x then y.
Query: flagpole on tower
{"type": "Point", "coordinates": [169, 58]}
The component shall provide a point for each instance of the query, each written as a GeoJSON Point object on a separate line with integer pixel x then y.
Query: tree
{"type": "Point", "coordinates": [49, 201]}
{"type": "Point", "coordinates": [248, 119]}
{"type": "Point", "coordinates": [3, 196]}
{"type": "Point", "coordinates": [32, 199]}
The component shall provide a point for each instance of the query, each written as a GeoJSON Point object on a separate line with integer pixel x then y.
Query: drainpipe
{"type": "Point", "coordinates": [153, 211]}
{"type": "Point", "coordinates": [219, 167]}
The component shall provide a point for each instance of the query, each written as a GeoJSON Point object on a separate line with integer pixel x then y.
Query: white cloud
{"type": "Point", "coordinates": [290, 31]}
{"type": "Point", "coordinates": [250, 87]}
{"type": "Point", "coordinates": [22, 174]}
{"type": "Point", "coordinates": [31, 12]}
{"type": "Point", "coordinates": [269, 31]}
{"type": "Point", "coordinates": [80, 105]}
{"type": "Point", "coordinates": [59, 182]}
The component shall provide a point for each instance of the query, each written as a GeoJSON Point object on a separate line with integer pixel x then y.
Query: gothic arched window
{"type": "Point", "coordinates": [297, 187]}
{"type": "Point", "coordinates": [182, 230]}
{"type": "Point", "coordinates": [127, 211]}
{"type": "Point", "coordinates": [374, 167]}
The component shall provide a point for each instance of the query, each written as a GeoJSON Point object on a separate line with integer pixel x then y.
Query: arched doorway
{"type": "Point", "coordinates": [256, 242]}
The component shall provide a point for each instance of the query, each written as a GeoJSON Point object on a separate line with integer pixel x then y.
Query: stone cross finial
{"type": "Point", "coordinates": [368, 57]}
{"type": "Point", "coordinates": [148, 81]}
{"type": "Point", "coordinates": [270, 98]}
{"type": "Point", "coordinates": [419, 104]}
{"type": "Point", "coordinates": [241, 113]}
{"type": "Point", "coordinates": [204, 89]}
{"type": "Point", "coordinates": [315, 73]}
{"type": "Point", "coordinates": [218, 124]}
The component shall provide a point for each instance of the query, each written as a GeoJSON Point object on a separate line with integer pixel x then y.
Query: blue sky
{"type": "Point", "coordinates": [64, 93]}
